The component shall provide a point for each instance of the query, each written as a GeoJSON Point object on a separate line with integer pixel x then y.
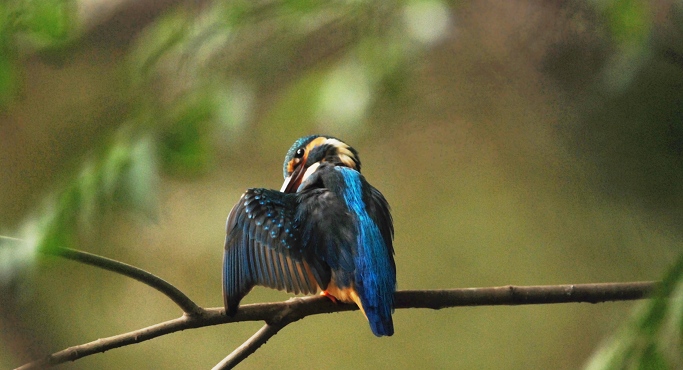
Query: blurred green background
{"type": "Point", "coordinates": [518, 142]}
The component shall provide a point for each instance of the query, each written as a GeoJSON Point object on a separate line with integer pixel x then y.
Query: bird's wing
{"type": "Point", "coordinates": [264, 246]}
{"type": "Point", "coordinates": [378, 209]}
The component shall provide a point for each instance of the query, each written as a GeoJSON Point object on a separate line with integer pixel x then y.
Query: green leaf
{"type": "Point", "coordinates": [186, 146]}
{"type": "Point", "coordinates": [652, 359]}
{"type": "Point", "coordinates": [14, 257]}
{"type": "Point", "coordinates": [121, 176]}
{"type": "Point", "coordinates": [630, 21]}
{"type": "Point", "coordinates": [47, 22]}
{"type": "Point", "coordinates": [645, 341]}
{"type": "Point", "coordinates": [8, 83]}
{"type": "Point", "coordinates": [141, 176]}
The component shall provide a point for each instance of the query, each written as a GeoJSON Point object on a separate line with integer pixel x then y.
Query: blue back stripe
{"type": "Point", "coordinates": [375, 280]}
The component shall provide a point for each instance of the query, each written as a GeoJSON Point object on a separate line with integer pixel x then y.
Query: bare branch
{"type": "Point", "coordinates": [250, 346]}
{"type": "Point", "coordinates": [282, 313]}
{"type": "Point", "coordinates": [184, 302]}
{"type": "Point", "coordinates": [518, 295]}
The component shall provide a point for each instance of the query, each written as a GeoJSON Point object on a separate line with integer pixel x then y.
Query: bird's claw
{"type": "Point", "coordinates": [329, 296]}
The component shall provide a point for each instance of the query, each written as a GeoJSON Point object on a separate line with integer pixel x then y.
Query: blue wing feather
{"type": "Point", "coordinates": [262, 247]}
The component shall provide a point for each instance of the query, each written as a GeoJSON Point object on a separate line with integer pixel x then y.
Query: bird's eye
{"type": "Point", "coordinates": [299, 153]}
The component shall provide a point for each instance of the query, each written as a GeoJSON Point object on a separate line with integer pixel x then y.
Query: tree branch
{"type": "Point", "coordinates": [184, 302]}
{"type": "Point", "coordinates": [250, 346]}
{"type": "Point", "coordinates": [283, 313]}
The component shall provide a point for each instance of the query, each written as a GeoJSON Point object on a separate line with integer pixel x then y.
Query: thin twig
{"type": "Point", "coordinates": [291, 313]}
{"type": "Point", "coordinates": [301, 307]}
{"type": "Point", "coordinates": [183, 301]}
{"type": "Point", "coordinates": [250, 346]}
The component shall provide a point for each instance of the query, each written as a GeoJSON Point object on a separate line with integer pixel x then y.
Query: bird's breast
{"type": "Point", "coordinates": [345, 294]}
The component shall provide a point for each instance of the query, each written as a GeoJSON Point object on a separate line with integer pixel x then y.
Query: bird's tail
{"type": "Point", "coordinates": [379, 318]}
{"type": "Point", "coordinates": [380, 324]}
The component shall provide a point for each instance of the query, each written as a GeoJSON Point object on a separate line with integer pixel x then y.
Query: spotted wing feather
{"type": "Point", "coordinates": [264, 247]}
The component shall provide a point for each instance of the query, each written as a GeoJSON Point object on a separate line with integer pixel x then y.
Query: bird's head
{"type": "Point", "coordinates": [307, 153]}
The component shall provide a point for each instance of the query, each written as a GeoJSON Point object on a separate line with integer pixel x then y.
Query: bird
{"type": "Point", "coordinates": [326, 230]}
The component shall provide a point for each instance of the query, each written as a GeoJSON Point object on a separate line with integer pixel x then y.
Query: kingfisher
{"type": "Point", "coordinates": [326, 230]}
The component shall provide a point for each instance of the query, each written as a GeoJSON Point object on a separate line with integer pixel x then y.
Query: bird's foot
{"type": "Point", "coordinates": [330, 296]}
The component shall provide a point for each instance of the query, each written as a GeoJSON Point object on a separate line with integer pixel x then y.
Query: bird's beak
{"type": "Point", "coordinates": [293, 182]}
